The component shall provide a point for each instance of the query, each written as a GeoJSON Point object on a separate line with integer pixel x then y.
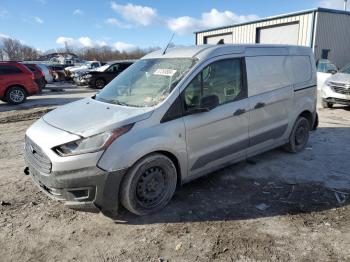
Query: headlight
{"type": "Point", "coordinates": [88, 76]}
{"type": "Point", "coordinates": [91, 144]}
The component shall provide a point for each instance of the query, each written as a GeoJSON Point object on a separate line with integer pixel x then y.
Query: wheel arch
{"type": "Point", "coordinates": [15, 85]}
{"type": "Point", "coordinates": [309, 116]}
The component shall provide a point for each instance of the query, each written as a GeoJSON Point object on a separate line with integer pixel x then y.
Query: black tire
{"type": "Point", "coordinates": [100, 83]}
{"type": "Point", "coordinates": [326, 104]}
{"type": "Point", "coordinates": [149, 185]}
{"type": "Point", "coordinates": [16, 95]}
{"type": "Point", "coordinates": [299, 137]}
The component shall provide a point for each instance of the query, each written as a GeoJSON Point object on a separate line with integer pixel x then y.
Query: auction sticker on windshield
{"type": "Point", "coordinates": [164, 72]}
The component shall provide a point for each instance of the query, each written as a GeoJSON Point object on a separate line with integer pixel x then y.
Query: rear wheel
{"type": "Point", "coordinates": [149, 185]}
{"type": "Point", "coordinates": [16, 95]}
{"type": "Point", "coordinates": [299, 136]}
{"type": "Point", "coordinates": [326, 104]}
{"type": "Point", "coordinates": [100, 83]}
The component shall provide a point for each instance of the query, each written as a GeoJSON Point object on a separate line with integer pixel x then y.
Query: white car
{"type": "Point", "coordinates": [71, 71]}
{"type": "Point", "coordinates": [336, 89]}
{"type": "Point", "coordinates": [325, 69]}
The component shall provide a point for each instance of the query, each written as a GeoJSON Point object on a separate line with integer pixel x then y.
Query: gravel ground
{"type": "Point", "coordinates": [277, 206]}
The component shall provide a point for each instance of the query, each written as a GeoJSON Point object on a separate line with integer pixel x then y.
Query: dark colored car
{"type": "Point", "coordinates": [39, 75]}
{"type": "Point", "coordinates": [16, 82]}
{"type": "Point", "coordinates": [104, 74]}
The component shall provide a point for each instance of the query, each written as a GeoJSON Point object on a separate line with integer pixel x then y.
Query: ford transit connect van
{"type": "Point", "coordinates": [173, 116]}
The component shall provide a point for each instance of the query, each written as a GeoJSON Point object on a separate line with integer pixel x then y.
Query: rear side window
{"type": "Point", "coordinates": [301, 68]}
{"type": "Point", "coordinates": [9, 70]}
{"type": "Point", "coordinates": [223, 78]}
{"type": "Point", "coordinates": [266, 73]}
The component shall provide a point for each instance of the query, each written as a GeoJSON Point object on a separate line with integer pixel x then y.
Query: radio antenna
{"type": "Point", "coordinates": [167, 46]}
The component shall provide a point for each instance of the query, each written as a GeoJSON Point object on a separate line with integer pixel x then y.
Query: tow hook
{"type": "Point", "coordinates": [26, 171]}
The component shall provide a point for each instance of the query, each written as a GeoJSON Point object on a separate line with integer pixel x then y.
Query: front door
{"type": "Point", "coordinates": [220, 135]}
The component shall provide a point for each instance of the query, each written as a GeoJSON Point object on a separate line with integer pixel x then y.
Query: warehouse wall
{"type": "Point", "coordinates": [333, 32]}
{"type": "Point", "coordinates": [246, 34]}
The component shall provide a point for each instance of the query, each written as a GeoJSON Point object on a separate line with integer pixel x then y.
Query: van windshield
{"type": "Point", "coordinates": [146, 83]}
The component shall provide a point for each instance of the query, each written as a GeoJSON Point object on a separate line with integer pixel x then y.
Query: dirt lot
{"type": "Point", "coordinates": [215, 218]}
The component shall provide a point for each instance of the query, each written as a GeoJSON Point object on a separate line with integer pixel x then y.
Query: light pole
{"type": "Point", "coordinates": [345, 4]}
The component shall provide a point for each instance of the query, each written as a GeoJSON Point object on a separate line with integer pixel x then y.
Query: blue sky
{"type": "Point", "coordinates": [124, 25]}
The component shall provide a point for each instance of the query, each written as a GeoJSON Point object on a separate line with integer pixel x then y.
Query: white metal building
{"type": "Point", "coordinates": [326, 31]}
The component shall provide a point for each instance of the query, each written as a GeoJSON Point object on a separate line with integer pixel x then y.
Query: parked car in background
{"type": "Point", "coordinates": [58, 72]}
{"type": "Point", "coordinates": [104, 74]}
{"type": "Point", "coordinates": [47, 73]}
{"type": "Point", "coordinates": [336, 89]}
{"type": "Point", "coordinates": [17, 82]}
{"type": "Point", "coordinates": [39, 75]}
{"type": "Point", "coordinates": [171, 117]}
{"type": "Point", "coordinates": [325, 69]}
{"type": "Point", "coordinates": [71, 71]}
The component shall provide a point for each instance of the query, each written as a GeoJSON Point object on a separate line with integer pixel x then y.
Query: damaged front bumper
{"type": "Point", "coordinates": [89, 189]}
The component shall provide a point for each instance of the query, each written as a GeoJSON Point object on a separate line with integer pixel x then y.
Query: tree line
{"type": "Point", "coordinates": [14, 50]}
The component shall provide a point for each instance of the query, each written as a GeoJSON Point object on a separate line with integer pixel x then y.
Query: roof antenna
{"type": "Point", "coordinates": [167, 46]}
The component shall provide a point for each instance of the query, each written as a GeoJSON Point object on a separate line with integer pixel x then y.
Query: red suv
{"type": "Point", "coordinates": [39, 75]}
{"type": "Point", "coordinates": [16, 82]}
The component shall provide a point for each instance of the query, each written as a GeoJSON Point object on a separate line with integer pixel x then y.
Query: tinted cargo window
{"type": "Point", "coordinates": [222, 78]}
{"type": "Point", "coordinates": [266, 73]}
{"type": "Point", "coordinates": [9, 70]}
{"type": "Point", "coordinates": [301, 67]}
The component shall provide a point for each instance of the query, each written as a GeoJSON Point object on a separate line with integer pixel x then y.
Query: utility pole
{"type": "Point", "coordinates": [345, 4]}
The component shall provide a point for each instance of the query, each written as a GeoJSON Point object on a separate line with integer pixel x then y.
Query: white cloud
{"type": "Point", "coordinates": [38, 20]}
{"type": "Point", "coordinates": [77, 12]}
{"type": "Point", "coordinates": [2, 36]}
{"type": "Point", "coordinates": [137, 14]}
{"type": "Point", "coordinates": [121, 47]}
{"type": "Point", "coordinates": [116, 22]}
{"type": "Point", "coordinates": [334, 4]}
{"type": "Point", "coordinates": [83, 41]}
{"type": "Point", "coordinates": [62, 40]}
{"type": "Point", "coordinates": [187, 25]}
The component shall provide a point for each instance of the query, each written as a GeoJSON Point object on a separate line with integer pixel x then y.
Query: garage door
{"type": "Point", "coordinates": [282, 34]}
{"type": "Point", "coordinates": [213, 40]}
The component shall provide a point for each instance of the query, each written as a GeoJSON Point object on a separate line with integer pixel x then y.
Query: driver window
{"type": "Point", "coordinates": [222, 78]}
{"type": "Point", "coordinates": [113, 68]}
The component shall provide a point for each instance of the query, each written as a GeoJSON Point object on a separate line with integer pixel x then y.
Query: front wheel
{"type": "Point", "coordinates": [16, 95]}
{"type": "Point", "coordinates": [100, 83]}
{"type": "Point", "coordinates": [299, 136]}
{"type": "Point", "coordinates": [326, 104]}
{"type": "Point", "coordinates": [149, 185]}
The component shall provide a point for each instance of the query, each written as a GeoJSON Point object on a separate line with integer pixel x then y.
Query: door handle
{"type": "Point", "coordinates": [239, 112]}
{"type": "Point", "coordinates": [259, 105]}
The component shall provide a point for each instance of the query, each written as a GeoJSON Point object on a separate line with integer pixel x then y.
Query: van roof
{"type": "Point", "coordinates": [208, 51]}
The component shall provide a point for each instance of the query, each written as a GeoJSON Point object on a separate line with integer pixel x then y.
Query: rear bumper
{"type": "Point", "coordinates": [88, 189]}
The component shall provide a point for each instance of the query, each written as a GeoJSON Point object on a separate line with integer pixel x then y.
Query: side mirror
{"type": "Point", "coordinates": [209, 102]}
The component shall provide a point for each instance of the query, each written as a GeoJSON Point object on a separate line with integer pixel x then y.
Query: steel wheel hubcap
{"type": "Point", "coordinates": [16, 95]}
{"type": "Point", "coordinates": [151, 186]}
{"type": "Point", "coordinates": [300, 135]}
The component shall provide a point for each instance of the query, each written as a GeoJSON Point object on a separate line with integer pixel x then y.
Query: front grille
{"type": "Point", "coordinates": [36, 157]}
{"type": "Point", "coordinates": [340, 88]}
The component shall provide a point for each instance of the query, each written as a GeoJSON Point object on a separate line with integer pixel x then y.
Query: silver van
{"type": "Point", "coordinates": [171, 117]}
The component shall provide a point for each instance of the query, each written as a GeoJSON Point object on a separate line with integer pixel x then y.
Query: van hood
{"type": "Point", "coordinates": [340, 78]}
{"type": "Point", "coordinates": [88, 116]}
